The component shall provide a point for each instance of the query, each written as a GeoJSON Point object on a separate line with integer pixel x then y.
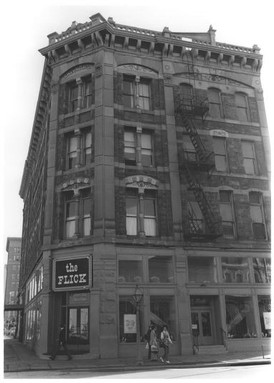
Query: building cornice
{"type": "Point", "coordinates": [38, 124]}
{"type": "Point", "coordinates": [107, 33]}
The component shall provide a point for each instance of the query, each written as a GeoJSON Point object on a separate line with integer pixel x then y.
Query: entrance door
{"type": "Point", "coordinates": [201, 320]}
{"type": "Point", "coordinates": [78, 328]}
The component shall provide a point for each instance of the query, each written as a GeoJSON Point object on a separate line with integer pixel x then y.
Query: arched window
{"type": "Point", "coordinates": [214, 99]}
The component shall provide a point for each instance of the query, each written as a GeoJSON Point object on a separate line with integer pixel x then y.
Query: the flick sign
{"type": "Point", "coordinates": [72, 274]}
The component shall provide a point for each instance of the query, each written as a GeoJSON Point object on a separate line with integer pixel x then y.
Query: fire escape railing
{"type": "Point", "coordinates": [204, 161]}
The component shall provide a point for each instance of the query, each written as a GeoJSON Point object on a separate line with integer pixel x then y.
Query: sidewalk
{"type": "Point", "coordinates": [17, 357]}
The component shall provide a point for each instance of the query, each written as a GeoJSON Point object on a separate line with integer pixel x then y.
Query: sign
{"type": "Point", "coordinates": [219, 133]}
{"type": "Point", "coordinates": [71, 274]}
{"type": "Point", "coordinates": [194, 326]}
{"type": "Point", "coordinates": [267, 320]}
{"type": "Point", "coordinates": [130, 324]}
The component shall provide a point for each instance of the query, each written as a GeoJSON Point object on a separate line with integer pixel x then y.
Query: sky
{"type": "Point", "coordinates": [25, 26]}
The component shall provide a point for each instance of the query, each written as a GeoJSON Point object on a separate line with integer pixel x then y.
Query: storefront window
{"type": "Point", "coordinates": [240, 317]}
{"type": "Point", "coordinates": [127, 320]}
{"type": "Point", "coordinates": [162, 312]}
{"type": "Point", "coordinates": [130, 271]}
{"type": "Point", "coordinates": [160, 269]}
{"type": "Point", "coordinates": [201, 269]}
{"type": "Point", "coordinates": [264, 303]}
{"type": "Point", "coordinates": [262, 270]}
{"type": "Point", "coordinates": [235, 270]}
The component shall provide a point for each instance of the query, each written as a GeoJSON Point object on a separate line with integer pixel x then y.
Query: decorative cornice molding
{"type": "Point", "coordinates": [141, 182]}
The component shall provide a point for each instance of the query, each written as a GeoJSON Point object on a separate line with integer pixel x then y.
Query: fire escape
{"type": "Point", "coordinates": [191, 165]}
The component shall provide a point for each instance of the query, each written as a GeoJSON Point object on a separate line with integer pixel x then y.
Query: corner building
{"type": "Point", "coordinates": [148, 165]}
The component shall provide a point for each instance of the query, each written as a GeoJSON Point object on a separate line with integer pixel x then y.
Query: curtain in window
{"type": "Point", "coordinates": [149, 217]}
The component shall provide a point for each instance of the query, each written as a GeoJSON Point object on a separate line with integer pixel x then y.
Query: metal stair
{"type": "Point", "coordinates": [204, 162]}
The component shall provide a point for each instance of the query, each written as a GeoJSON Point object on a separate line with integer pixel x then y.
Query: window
{"type": "Point", "coordinates": [87, 147]}
{"type": "Point", "coordinates": [78, 214]}
{"type": "Point", "coordinates": [127, 319]}
{"type": "Point", "coordinates": [78, 94]}
{"type": "Point", "coordinates": [71, 218]}
{"type": "Point", "coordinates": [130, 145]}
{"type": "Point", "coordinates": [201, 269]}
{"type": "Point", "coordinates": [146, 149]}
{"type": "Point", "coordinates": [257, 215]}
{"type": "Point", "coordinates": [241, 106]}
{"type": "Point", "coordinates": [262, 270]}
{"type": "Point", "coordinates": [136, 92]}
{"type": "Point", "coordinates": [144, 94]}
{"type": "Point", "coordinates": [264, 302]}
{"type": "Point", "coordinates": [235, 270]}
{"type": "Point", "coordinates": [160, 269]}
{"type": "Point", "coordinates": [79, 149]}
{"type": "Point", "coordinates": [219, 145]}
{"type": "Point", "coordinates": [189, 150]}
{"type": "Point", "coordinates": [240, 317]}
{"type": "Point", "coordinates": [249, 158]}
{"type": "Point", "coordinates": [226, 211]}
{"type": "Point", "coordinates": [87, 92]}
{"type": "Point", "coordinates": [72, 152]}
{"type": "Point", "coordinates": [71, 96]}
{"type": "Point", "coordinates": [196, 218]}
{"type": "Point", "coordinates": [215, 108]}
{"type": "Point", "coordinates": [138, 146]}
{"type": "Point", "coordinates": [186, 95]}
{"type": "Point", "coordinates": [162, 312]}
{"type": "Point", "coordinates": [141, 212]}
{"type": "Point", "coordinates": [130, 270]}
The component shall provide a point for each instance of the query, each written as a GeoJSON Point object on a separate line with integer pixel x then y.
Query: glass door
{"type": "Point", "coordinates": [201, 320]}
{"type": "Point", "coordinates": [78, 334]}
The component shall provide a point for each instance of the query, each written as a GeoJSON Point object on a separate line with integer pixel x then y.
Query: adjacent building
{"type": "Point", "coordinates": [148, 165]}
{"type": "Point", "coordinates": [12, 272]}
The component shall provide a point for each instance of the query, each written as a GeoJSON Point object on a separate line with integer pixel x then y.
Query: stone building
{"type": "Point", "coordinates": [148, 165]}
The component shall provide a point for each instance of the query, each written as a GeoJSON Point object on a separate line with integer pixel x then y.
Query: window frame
{"type": "Point", "coordinates": [229, 203]}
{"type": "Point", "coordinates": [140, 198]}
{"type": "Point", "coordinates": [134, 97]}
{"type": "Point", "coordinates": [248, 158]}
{"type": "Point", "coordinates": [80, 216]}
{"type": "Point", "coordinates": [222, 154]}
{"type": "Point", "coordinates": [259, 206]}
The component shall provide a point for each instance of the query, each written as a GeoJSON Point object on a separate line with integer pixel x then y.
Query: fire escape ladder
{"type": "Point", "coordinates": [203, 155]}
{"type": "Point", "coordinates": [212, 225]}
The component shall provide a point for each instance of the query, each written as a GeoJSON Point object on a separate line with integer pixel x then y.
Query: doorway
{"type": "Point", "coordinates": [201, 319]}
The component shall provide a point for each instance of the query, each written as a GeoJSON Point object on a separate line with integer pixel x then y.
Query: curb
{"type": "Point", "coordinates": [136, 368]}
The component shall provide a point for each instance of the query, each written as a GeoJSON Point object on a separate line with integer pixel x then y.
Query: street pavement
{"type": "Point", "coordinates": [18, 357]}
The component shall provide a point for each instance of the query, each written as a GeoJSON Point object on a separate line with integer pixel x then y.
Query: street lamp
{"type": "Point", "coordinates": [137, 297]}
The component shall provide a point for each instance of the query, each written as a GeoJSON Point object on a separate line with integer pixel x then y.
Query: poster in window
{"type": "Point", "coordinates": [267, 320]}
{"type": "Point", "coordinates": [130, 324]}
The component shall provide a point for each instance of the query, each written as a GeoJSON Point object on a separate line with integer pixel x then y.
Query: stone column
{"type": "Point", "coordinates": [173, 154]}
{"type": "Point", "coordinates": [104, 191]}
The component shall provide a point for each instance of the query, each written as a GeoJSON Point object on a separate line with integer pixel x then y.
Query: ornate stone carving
{"type": "Point", "coordinates": [142, 182]}
{"type": "Point", "coordinates": [135, 67]}
{"type": "Point", "coordinates": [76, 69]}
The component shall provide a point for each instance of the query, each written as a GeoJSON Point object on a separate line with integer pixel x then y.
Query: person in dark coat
{"type": "Point", "coordinates": [61, 343]}
{"type": "Point", "coordinates": [147, 337]}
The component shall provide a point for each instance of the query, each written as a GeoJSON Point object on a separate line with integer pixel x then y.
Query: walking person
{"type": "Point", "coordinates": [147, 338]}
{"type": "Point", "coordinates": [166, 341]}
{"type": "Point", "coordinates": [61, 343]}
{"type": "Point", "coordinates": [153, 342]}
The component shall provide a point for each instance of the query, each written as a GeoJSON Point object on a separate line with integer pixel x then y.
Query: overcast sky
{"type": "Point", "coordinates": [25, 30]}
